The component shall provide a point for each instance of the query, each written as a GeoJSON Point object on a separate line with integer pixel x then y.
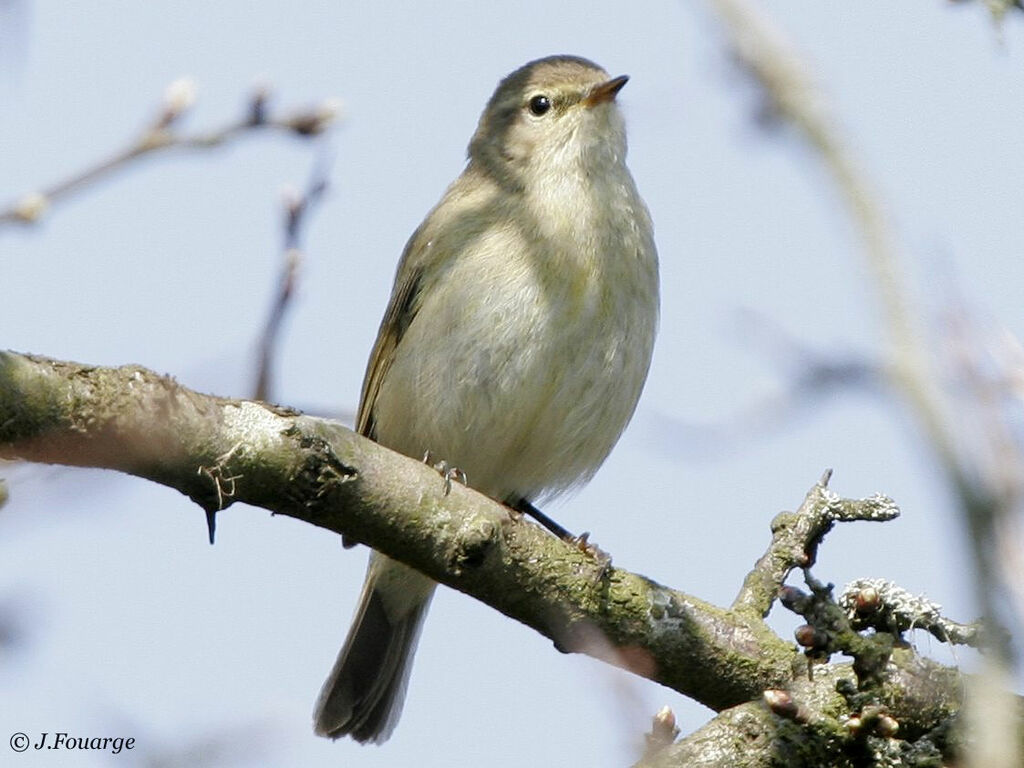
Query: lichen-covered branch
{"type": "Point", "coordinates": [218, 451]}
{"type": "Point", "coordinates": [808, 726]}
{"type": "Point", "coordinates": [887, 607]}
{"type": "Point", "coordinates": [796, 536]}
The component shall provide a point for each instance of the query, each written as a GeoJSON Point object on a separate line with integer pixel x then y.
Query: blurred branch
{"type": "Point", "coordinates": [811, 371]}
{"type": "Point", "coordinates": [785, 81]}
{"type": "Point", "coordinates": [809, 375]}
{"type": "Point", "coordinates": [998, 8]}
{"type": "Point", "coordinates": [297, 209]}
{"type": "Point", "coordinates": [162, 134]}
{"type": "Point", "coordinates": [12, 626]}
{"type": "Point", "coordinates": [989, 498]}
{"type": "Point", "coordinates": [250, 743]}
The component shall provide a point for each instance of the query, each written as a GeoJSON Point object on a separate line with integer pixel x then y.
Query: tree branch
{"type": "Point", "coordinates": [218, 451]}
{"type": "Point", "coordinates": [807, 726]}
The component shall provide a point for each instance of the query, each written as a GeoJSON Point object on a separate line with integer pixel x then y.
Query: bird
{"type": "Point", "coordinates": [515, 344]}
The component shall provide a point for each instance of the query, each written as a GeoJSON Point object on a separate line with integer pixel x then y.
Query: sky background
{"type": "Point", "coordinates": [129, 624]}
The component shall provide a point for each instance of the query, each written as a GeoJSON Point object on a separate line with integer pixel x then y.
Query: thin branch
{"type": "Point", "coordinates": [161, 134]}
{"type": "Point", "coordinates": [297, 209]}
{"type": "Point", "coordinates": [884, 606]}
{"type": "Point", "coordinates": [796, 536]}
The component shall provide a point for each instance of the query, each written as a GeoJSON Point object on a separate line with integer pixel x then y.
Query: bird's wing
{"type": "Point", "coordinates": [402, 308]}
{"type": "Point", "coordinates": [458, 220]}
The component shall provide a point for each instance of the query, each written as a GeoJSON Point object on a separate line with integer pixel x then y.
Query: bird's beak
{"type": "Point", "coordinates": [605, 91]}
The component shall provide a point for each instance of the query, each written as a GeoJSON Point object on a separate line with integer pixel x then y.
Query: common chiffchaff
{"type": "Point", "coordinates": [515, 344]}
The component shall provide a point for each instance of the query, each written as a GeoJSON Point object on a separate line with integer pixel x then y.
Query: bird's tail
{"type": "Point", "coordinates": [363, 695]}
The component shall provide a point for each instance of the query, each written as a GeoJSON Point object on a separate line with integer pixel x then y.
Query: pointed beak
{"type": "Point", "coordinates": [605, 91]}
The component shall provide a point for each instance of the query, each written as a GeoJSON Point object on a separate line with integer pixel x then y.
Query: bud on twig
{"type": "Point", "coordinates": [663, 728]}
{"type": "Point", "coordinates": [781, 703]}
{"type": "Point", "coordinates": [809, 637]}
{"type": "Point", "coordinates": [317, 120]}
{"type": "Point", "coordinates": [31, 207]}
{"type": "Point", "coordinates": [258, 105]}
{"type": "Point", "coordinates": [179, 97]}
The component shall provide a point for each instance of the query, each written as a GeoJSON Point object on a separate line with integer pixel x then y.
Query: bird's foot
{"type": "Point", "coordinates": [584, 545]}
{"type": "Point", "coordinates": [447, 472]}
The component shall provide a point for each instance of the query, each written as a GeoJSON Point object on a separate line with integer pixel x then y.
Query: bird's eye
{"type": "Point", "coordinates": [540, 104]}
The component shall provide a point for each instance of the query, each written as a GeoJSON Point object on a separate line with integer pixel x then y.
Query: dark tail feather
{"type": "Point", "coordinates": [363, 695]}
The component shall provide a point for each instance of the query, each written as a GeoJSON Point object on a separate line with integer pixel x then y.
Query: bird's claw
{"type": "Point", "coordinates": [447, 472]}
{"type": "Point", "coordinates": [583, 544]}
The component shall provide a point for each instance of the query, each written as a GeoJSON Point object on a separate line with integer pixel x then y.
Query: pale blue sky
{"type": "Point", "coordinates": [135, 626]}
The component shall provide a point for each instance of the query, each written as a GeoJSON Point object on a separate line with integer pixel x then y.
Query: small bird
{"type": "Point", "coordinates": [515, 344]}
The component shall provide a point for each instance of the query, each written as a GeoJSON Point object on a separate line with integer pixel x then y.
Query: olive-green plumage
{"type": "Point", "coordinates": [515, 344]}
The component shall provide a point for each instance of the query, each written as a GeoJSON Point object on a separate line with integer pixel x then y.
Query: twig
{"type": "Point", "coordinates": [828, 631]}
{"type": "Point", "coordinates": [885, 606]}
{"type": "Point", "coordinates": [796, 536]}
{"type": "Point", "coordinates": [161, 134]}
{"type": "Point", "coordinates": [297, 208]}
{"type": "Point", "coordinates": [663, 733]}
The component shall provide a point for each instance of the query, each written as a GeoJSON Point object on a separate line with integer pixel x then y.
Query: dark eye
{"type": "Point", "coordinates": [540, 104]}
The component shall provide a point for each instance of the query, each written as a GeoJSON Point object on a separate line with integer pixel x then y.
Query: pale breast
{"type": "Point", "coordinates": [524, 364]}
